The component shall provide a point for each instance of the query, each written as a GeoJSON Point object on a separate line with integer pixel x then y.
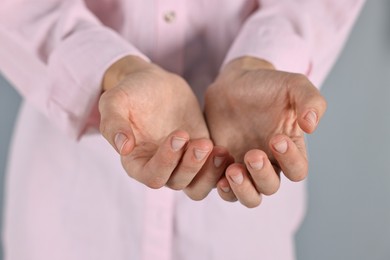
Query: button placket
{"type": "Point", "coordinates": [171, 24]}
{"type": "Point", "coordinates": [158, 224]}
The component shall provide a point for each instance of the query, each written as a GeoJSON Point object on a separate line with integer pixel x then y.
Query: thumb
{"type": "Point", "coordinates": [310, 105]}
{"type": "Point", "coordinates": [115, 125]}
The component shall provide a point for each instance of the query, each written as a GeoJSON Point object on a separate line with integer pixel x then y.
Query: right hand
{"type": "Point", "coordinates": [153, 120]}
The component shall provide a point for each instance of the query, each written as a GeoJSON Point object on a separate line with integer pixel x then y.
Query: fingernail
{"type": "Point", "coordinates": [177, 143]}
{"type": "Point", "coordinates": [225, 188]}
{"type": "Point", "coordinates": [237, 178]}
{"type": "Point", "coordinates": [311, 117]}
{"type": "Point", "coordinates": [120, 140]}
{"type": "Point", "coordinates": [218, 161]}
{"type": "Point", "coordinates": [200, 154]}
{"type": "Point", "coordinates": [281, 146]}
{"type": "Point", "coordinates": [256, 165]}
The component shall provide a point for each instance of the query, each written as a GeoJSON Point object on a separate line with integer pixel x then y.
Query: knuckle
{"type": "Point", "coordinates": [169, 163]}
{"type": "Point", "coordinates": [323, 103]}
{"type": "Point", "coordinates": [300, 177]}
{"type": "Point", "coordinates": [155, 183]}
{"type": "Point", "coordinates": [252, 203]}
{"type": "Point", "coordinates": [174, 185]}
{"type": "Point", "coordinates": [101, 102]}
{"type": "Point", "coordinates": [260, 176]}
{"type": "Point", "coordinates": [229, 198]}
{"type": "Point", "coordinates": [300, 174]}
{"type": "Point", "coordinates": [103, 127]}
{"type": "Point", "coordinates": [196, 195]}
{"type": "Point", "coordinates": [297, 171]}
{"type": "Point", "coordinates": [188, 169]}
{"type": "Point", "coordinates": [272, 190]}
{"type": "Point", "coordinates": [211, 180]}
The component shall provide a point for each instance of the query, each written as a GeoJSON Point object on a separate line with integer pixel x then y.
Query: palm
{"type": "Point", "coordinates": [255, 106]}
{"type": "Point", "coordinates": [261, 115]}
{"type": "Point", "coordinates": [156, 108]}
{"type": "Point", "coordinates": [154, 121]}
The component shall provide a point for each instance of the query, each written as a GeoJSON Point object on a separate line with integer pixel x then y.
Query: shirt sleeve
{"type": "Point", "coordinates": [302, 36]}
{"type": "Point", "coordinates": [55, 53]}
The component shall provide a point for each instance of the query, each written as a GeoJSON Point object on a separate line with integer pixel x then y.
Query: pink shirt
{"type": "Point", "coordinates": [67, 195]}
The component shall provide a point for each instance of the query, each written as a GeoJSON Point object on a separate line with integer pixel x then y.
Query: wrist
{"type": "Point", "coordinates": [240, 66]}
{"type": "Point", "coordinates": [121, 68]}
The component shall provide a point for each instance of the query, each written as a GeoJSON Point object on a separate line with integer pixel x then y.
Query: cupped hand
{"type": "Point", "coordinates": [261, 114]}
{"type": "Point", "coordinates": [153, 119]}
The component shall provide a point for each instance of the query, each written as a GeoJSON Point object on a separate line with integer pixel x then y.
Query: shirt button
{"type": "Point", "coordinates": [170, 17]}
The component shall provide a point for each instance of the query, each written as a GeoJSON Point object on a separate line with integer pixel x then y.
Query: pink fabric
{"type": "Point", "coordinates": [69, 198]}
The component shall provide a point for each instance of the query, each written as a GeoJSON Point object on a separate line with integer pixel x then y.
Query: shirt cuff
{"type": "Point", "coordinates": [273, 40]}
{"type": "Point", "coordinates": [76, 69]}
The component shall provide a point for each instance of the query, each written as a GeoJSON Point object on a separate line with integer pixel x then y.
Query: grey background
{"type": "Point", "coordinates": [349, 185]}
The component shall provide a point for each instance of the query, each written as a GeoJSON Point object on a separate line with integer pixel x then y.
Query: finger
{"type": "Point", "coordinates": [209, 175]}
{"type": "Point", "coordinates": [224, 190]}
{"type": "Point", "coordinates": [192, 162]}
{"type": "Point", "coordinates": [291, 158]}
{"type": "Point", "coordinates": [114, 123]}
{"type": "Point", "coordinates": [242, 186]}
{"type": "Point", "coordinates": [263, 174]}
{"type": "Point", "coordinates": [310, 104]}
{"type": "Point", "coordinates": [153, 166]}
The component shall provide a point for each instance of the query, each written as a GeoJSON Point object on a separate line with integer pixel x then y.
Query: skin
{"type": "Point", "coordinates": [260, 115]}
{"type": "Point", "coordinates": [153, 119]}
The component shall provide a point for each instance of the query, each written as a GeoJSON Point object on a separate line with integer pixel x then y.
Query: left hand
{"type": "Point", "coordinates": [261, 115]}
